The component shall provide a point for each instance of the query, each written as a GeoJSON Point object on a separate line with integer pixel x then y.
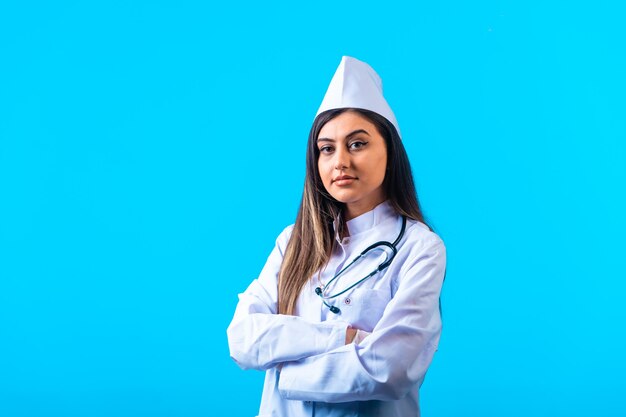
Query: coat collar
{"type": "Point", "coordinates": [366, 221]}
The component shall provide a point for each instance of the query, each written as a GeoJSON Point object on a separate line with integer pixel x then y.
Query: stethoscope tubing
{"type": "Point", "coordinates": [380, 268]}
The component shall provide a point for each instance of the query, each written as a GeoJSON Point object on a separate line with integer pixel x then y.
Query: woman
{"type": "Point", "coordinates": [341, 334]}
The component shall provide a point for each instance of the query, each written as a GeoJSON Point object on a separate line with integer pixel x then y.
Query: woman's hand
{"type": "Point", "coordinates": [354, 335]}
{"type": "Point", "coordinates": [350, 333]}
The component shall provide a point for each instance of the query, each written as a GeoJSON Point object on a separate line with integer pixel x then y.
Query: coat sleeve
{"type": "Point", "coordinates": [259, 338]}
{"type": "Point", "coordinates": [394, 357]}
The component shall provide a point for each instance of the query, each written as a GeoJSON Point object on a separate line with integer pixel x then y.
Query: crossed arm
{"type": "Point", "coordinates": [382, 365]}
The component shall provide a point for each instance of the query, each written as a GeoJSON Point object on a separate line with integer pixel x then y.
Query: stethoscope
{"type": "Point", "coordinates": [382, 266]}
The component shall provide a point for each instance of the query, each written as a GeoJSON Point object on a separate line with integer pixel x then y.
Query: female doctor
{"type": "Point", "coordinates": [344, 316]}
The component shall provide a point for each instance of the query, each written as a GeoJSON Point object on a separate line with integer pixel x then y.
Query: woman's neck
{"type": "Point", "coordinates": [353, 210]}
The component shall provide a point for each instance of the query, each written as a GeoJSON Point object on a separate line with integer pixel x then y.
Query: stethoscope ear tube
{"type": "Point", "coordinates": [333, 309]}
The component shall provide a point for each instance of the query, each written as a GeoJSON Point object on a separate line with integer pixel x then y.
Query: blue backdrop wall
{"type": "Point", "coordinates": [151, 151]}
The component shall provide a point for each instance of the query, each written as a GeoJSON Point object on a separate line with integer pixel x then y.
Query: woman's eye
{"type": "Point", "coordinates": [357, 145]}
{"type": "Point", "coordinates": [326, 149]}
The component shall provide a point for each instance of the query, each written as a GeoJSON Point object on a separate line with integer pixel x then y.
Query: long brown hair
{"type": "Point", "coordinates": [312, 238]}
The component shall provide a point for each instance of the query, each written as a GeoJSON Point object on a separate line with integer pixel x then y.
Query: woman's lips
{"type": "Point", "coordinates": [344, 180]}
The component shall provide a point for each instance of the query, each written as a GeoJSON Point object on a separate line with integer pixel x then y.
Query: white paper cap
{"type": "Point", "coordinates": [356, 84]}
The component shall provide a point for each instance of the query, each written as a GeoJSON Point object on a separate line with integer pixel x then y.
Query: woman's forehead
{"type": "Point", "coordinates": [344, 124]}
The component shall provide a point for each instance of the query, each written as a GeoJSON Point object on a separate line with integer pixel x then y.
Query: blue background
{"type": "Point", "coordinates": [150, 153]}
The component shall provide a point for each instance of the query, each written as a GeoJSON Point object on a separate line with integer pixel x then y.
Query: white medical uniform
{"type": "Point", "coordinates": [321, 376]}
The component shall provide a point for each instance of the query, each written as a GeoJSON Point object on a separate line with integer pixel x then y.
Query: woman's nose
{"type": "Point", "coordinates": [342, 160]}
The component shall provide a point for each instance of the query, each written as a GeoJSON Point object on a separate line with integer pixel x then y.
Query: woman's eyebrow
{"type": "Point", "coordinates": [325, 140]}
{"type": "Point", "coordinates": [348, 136]}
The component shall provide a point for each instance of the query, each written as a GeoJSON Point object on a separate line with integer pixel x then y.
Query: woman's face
{"type": "Point", "coordinates": [352, 162]}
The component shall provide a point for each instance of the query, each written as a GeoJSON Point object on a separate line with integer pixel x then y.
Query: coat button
{"type": "Point", "coordinates": [347, 301]}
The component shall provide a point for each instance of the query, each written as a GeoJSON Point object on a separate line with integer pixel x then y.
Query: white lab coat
{"type": "Point", "coordinates": [321, 376]}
